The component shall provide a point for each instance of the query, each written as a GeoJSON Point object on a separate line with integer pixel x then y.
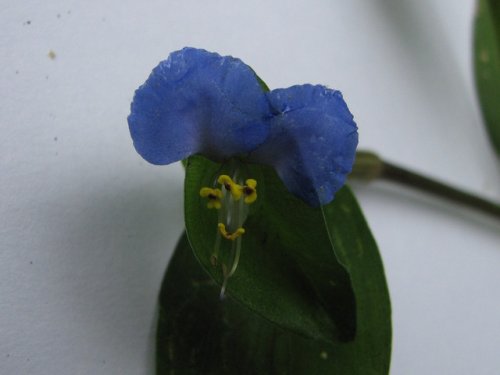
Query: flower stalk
{"type": "Point", "coordinates": [369, 166]}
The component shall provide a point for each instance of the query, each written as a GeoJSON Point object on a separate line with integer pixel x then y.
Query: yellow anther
{"type": "Point", "coordinates": [231, 186]}
{"type": "Point", "coordinates": [230, 236]}
{"type": "Point", "coordinates": [250, 191]}
{"type": "Point", "coordinates": [214, 197]}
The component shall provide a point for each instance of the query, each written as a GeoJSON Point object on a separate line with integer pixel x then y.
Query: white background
{"type": "Point", "coordinates": [87, 227]}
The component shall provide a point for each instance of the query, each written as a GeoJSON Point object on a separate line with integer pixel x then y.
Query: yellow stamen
{"type": "Point", "coordinates": [231, 186]}
{"type": "Point", "coordinates": [214, 197]}
{"type": "Point", "coordinates": [250, 191]}
{"type": "Point", "coordinates": [230, 236]}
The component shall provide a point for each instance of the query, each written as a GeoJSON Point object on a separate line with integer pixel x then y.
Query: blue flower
{"type": "Point", "coordinates": [201, 102]}
{"type": "Point", "coordinates": [198, 102]}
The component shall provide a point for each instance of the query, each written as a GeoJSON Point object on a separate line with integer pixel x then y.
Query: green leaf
{"type": "Point", "coordinates": [487, 65]}
{"type": "Point", "coordinates": [288, 272]}
{"type": "Point", "coordinates": [199, 334]}
{"type": "Point", "coordinates": [356, 249]}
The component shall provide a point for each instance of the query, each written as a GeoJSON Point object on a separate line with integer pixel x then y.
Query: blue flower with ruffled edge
{"type": "Point", "coordinates": [200, 102]}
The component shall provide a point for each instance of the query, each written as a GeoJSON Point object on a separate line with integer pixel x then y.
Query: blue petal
{"type": "Point", "coordinates": [198, 102]}
{"type": "Point", "coordinates": [312, 142]}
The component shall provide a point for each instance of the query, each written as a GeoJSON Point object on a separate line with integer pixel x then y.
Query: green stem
{"type": "Point", "coordinates": [369, 166]}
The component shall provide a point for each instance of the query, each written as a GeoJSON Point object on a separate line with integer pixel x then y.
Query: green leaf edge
{"type": "Point", "coordinates": [487, 65]}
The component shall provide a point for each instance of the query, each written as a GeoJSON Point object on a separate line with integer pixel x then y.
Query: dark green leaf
{"type": "Point", "coordinates": [199, 334]}
{"type": "Point", "coordinates": [487, 65]}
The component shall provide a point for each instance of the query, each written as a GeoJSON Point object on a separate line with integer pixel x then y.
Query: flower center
{"type": "Point", "coordinates": [231, 201]}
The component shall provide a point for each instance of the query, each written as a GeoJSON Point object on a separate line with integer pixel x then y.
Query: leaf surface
{"type": "Point", "coordinates": [199, 334]}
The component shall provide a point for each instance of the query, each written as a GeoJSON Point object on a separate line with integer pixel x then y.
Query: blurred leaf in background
{"type": "Point", "coordinates": [487, 65]}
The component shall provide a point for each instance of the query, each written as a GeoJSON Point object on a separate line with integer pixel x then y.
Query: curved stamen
{"type": "Point", "coordinates": [228, 235]}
